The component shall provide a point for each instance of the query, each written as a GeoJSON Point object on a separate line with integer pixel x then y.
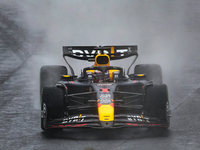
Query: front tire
{"type": "Point", "coordinates": [52, 105]}
{"type": "Point", "coordinates": [157, 103]}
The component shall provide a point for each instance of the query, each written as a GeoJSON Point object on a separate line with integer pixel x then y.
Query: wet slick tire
{"type": "Point", "coordinates": [152, 71]}
{"type": "Point", "coordinates": [157, 103]}
{"type": "Point", "coordinates": [52, 105]}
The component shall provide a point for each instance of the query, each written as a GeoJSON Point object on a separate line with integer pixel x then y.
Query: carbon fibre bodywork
{"type": "Point", "coordinates": [83, 101]}
{"type": "Point", "coordinates": [90, 101]}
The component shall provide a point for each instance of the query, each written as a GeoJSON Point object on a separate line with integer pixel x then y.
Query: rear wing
{"type": "Point", "coordinates": [89, 52]}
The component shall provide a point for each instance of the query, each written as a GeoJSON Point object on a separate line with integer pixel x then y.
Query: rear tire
{"type": "Point", "coordinates": [152, 71]}
{"type": "Point", "coordinates": [52, 105]}
{"type": "Point", "coordinates": [50, 75]}
{"type": "Point", "coordinates": [157, 103]}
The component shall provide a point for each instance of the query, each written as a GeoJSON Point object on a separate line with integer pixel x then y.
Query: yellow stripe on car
{"type": "Point", "coordinates": [66, 76]}
{"type": "Point", "coordinates": [112, 51]}
{"type": "Point", "coordinates": [140, 75]}
{"type": "Point", "coordinates": [111, 73]}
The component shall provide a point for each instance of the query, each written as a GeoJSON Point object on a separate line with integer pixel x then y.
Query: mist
{"type": "Point", "coordinates": [163, 30]}
{"type": "Point", "coordinates": [166, 32]}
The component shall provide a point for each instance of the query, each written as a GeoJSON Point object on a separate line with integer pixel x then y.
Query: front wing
{"type": "Point", "coordinates": [92, 121]}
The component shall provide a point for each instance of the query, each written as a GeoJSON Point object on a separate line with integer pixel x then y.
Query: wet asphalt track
{"type": "Point", "coordinates": [20, 114]}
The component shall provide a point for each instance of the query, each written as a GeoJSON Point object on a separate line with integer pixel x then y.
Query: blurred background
{"type": "Point", "coordinates": [166, 32]}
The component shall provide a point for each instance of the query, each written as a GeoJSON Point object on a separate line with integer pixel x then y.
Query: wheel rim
{"type": "Point", "coordinates": [168, 113]}
{"type": "Point", "coordinates": [44, 119]}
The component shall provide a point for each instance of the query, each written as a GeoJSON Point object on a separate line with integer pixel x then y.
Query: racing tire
{"type": "Point", "coordinates": [157, 103]}
{"type": "Point", "coordinates": [153, 72]}
{"type": "Point", "coordinates": [52, 105]}
{"type": "Point", "coordinates": [51, 74]}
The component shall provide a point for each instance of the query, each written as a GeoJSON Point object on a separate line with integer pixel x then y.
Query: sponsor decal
{"type": "Point", "coordinates": [137, 118]}
{"type": "Point", "coordinates": [104, 84]}
{"type": "Point", "coordinates": [80, 53]}
{"type": "Point", "coordinates": [105, 99]}
{"type": "Point", "coordinates": [74, 119]}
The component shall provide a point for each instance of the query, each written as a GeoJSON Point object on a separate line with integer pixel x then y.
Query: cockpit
{"type": "Point", "coordinates": [98, 76]}
{"type": "Point", "coordinates": [101, 71]}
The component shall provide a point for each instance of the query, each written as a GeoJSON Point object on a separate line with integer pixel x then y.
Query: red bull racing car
{"type": "Point", "coordinates": [103, 96]}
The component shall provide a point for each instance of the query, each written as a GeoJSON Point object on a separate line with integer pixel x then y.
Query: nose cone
{"type": "Point", "coordinates": [106, 124]}
{"type": "Point", "coordinates": [106, 112]}
{"type": "Point", "coordinates": [106, 115]}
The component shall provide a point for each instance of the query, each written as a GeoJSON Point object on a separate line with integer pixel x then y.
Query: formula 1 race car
{"type": "Point", "coordinates": [103, 96]}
